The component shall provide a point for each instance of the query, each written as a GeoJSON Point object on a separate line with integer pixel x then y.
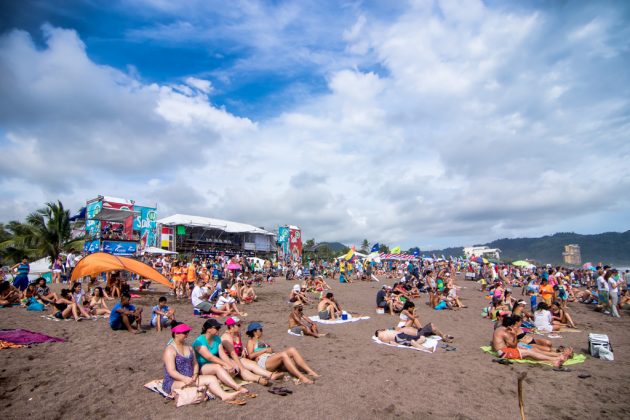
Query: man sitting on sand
{"type": "Point", "coordinates": [124, 315]}
{"type": "Point", "coordinates": [328, 308]}
{"type": "Point", "coordinates": [505, 343]}
{"type": "Point", "coordinates": [400, 338]}
{"type": "Point", "coordinates": [199, 297]}
{"type": "Point", "coordinates": [300, 324]}
{"type": "Point", "coordinates": [162, 315]}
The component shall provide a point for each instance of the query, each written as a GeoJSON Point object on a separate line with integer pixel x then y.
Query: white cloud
{"type": "Point", "coordinates": [479, 123]}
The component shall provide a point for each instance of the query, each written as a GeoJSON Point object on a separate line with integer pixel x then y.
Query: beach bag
{"type": "Point", "coordinates": [193, 394]}
{"type": "Point", "coordinates": [36, 306]}
{"type": "Point", "coordinates": [597, 342]}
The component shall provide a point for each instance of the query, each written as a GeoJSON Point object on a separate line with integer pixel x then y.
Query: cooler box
{"type": "Point", "coordinates": [597, 341]}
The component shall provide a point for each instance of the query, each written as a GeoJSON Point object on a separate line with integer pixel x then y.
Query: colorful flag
{"type": "Point", "coordinates": [396, 250]}
{"type": "Point", "coordinates": [349, 256]}
{"type": "Point", "coordinates": [416, 252]}
{"type": "Point", "coordinates": [375, 248]}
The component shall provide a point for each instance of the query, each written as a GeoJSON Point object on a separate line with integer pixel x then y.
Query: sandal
{"type": "Point", "coordinates": [250, 395]}
{"type": "Point", "coordinates": [236, 402]}
{"type": "Point", "coordinates": [278, 391]}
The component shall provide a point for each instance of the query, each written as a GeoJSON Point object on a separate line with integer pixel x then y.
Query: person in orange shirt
{"type": "Point", "coordinates": [191, 277]}
{"type": "Point", "coordinates": [546, 292]}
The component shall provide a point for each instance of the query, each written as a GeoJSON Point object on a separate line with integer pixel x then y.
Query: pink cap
{"type": "Point", "coordinates": [181, 328]}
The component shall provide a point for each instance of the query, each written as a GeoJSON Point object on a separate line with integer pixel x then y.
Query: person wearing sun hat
{"type": "Point", "coordinates": [233, 354]}
{"type": "Point", "coordinates": [266, 358]}
{"type": "Point", "coordinates": [182, 370]}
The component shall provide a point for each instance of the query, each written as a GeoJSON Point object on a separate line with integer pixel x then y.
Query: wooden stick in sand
{"type": "Point", "coordinates": [521, 404]}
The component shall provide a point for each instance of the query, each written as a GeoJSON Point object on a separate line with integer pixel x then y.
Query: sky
{"type": "Point", "coordinates": [410, 123]}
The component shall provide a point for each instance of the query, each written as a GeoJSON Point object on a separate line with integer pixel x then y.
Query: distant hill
{"type": "Point", "coordinates": [333, 246]}
{"type": "Point", "coordinates": [609, 247]}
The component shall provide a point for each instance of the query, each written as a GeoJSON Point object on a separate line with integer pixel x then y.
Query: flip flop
{"type": "Point", "coordinates": [502, 361]}
{"type": "Point", "coordinates": [584, 375]}
{"type": "Point", "coordinates": [561, 369]}
{"type": "Point", "coordinates": [277, 391]}
{"type": "Point", "coordinates": [250, 395]}
{"type": "Point", "coordinates": [236, 402]}
{"type": "Point", "coordinates": [283, 389]}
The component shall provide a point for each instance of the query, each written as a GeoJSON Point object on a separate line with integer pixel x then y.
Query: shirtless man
{"type": "Point", "coordinates": [396, 337]}
{"type": "Point", "coordinates": [328, 308]}
{"type": "Point", "coordinates": [299, 324]}
{"type": "Point", "coordinates": [505, 343]}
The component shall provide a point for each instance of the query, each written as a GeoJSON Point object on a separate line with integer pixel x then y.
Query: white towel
{"type": "Point", "coordinates": [336, 321]}
{"type": "Point", "coordinates": [292, 333]}
{"type": "Point", "coordinates": [429, 346]}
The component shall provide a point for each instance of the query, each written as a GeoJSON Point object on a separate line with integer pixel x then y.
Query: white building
{"type": "Point", "coordinates": [482, 251]}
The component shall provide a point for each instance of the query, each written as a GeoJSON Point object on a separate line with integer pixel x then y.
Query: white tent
{"type": "Point", "coordinates": [154, 250]}
{"type": "Point", "coordinates": [40, 266]}
{"type": "Point", "coordinates": [209, 223]}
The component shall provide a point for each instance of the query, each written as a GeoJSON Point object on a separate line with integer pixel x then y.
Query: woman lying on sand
{"type": "Point", "coordinates": [234, 355]}
{"type": "Point", "coordinates": [181, 368]}
{"type": "Point", "coordinates": [289, 359]}
{"type": "Point", "coordinates": [412, 325]}
{"type": "Point", "coordinates": [401, 338]}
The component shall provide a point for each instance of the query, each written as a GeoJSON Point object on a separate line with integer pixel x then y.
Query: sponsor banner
{"type": "Point", "coordinates": [283, 243]}
{"type": "Point", "coordinates": [120, 248]}
{"type": "Point", "coordinates": [91, 246]}
{"type": "Point", "coordinates": [146, 223]}
{"type": "Point", "coordinates": [295, 239]}
{"type": "Point", "coordinates": [93, 227]}
{"type": "Point", "coordinates": [127, 226]}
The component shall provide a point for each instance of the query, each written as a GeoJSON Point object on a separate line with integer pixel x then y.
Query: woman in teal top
{"type": "Point", "coordinates": [207, 352]}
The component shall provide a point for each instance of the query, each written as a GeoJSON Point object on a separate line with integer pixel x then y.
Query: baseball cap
{"type": "Point", "coordinates": [232, 321]}
{"type": "Point", "coordinates": [181, 328]}
{"type": "Point", "coordinates": [254, 326]}
{"type": "Point", "coordinates": [211, 323]}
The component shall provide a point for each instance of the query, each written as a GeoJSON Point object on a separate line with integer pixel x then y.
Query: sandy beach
{"type": "Point", "coordinates": [100, 373]}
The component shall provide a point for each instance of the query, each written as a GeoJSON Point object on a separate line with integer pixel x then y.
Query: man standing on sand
{"type": "Point", "coordinates": [505, 343]}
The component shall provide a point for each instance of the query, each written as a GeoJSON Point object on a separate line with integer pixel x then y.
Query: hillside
{"type": "Point", "coordinates": [609, 247]}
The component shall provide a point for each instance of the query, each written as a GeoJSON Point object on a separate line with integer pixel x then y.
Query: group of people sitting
{"type": "Point", "coordinates": [214, 359]}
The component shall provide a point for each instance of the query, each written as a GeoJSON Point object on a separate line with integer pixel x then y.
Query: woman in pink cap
{"type": "Point", "coordinates": [181, 369]}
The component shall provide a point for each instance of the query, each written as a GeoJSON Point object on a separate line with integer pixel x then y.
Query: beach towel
{"type": "Point", "coordinates": [292, 333]}
{"type": "Point", "coordinates": [156, 386]}
{"type": "Point", "coordinates": [574, 360]}
{"type": "Point", "coordinates": [337, 321]}
{"type": "Point", "coordinates": [429, 346]}
{"type": "Point", "coordinates": [8, 345]}
{"type": "Point", "coordinates": [20, 336]}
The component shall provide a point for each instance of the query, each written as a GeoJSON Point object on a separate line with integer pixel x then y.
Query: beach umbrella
{"type": "Point", "coordinates": [480, 260]}
{"type": "Point", "coordinates": [100, 262]}
{"type": "Point", "coordinates": [521, 263]}
{"type": "Point", "coordinates": [587, 265]}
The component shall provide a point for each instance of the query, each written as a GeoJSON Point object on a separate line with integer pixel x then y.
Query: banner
{"type": "Point", "coordinates": [120, 248]}
{"type": "Point", "coordinates": [127, 226]}
{"type": "Point", "coordinates": [145, 223]}
{"type": "Point", "coordinates": [283, 244]}
{"type": "Point", "coordinates": [93, 227]}
{"type": "Point", "coordinates": [295, 240]}
{"type": "Point", "coordinates": [91, 246]}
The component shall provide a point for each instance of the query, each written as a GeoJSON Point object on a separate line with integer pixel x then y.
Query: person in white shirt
{"type": "Point", "coordinates": [71, 262]}
{"type": "Point", "coordinates": [226, 305]}
{"type": "Point", "coordinates": [602, 292]}
{"type": "Point", "coordinates": [543, 320]}
{"type": "Point", "coordinates": [199, 297]}
{"type": "Point", "coordinates": [613, 290]}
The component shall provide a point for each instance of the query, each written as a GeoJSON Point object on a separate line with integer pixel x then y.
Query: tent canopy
{"type": "Point", "coordinates": [155, 250]}
{"type": "Point", "coordinates": [102, 262]}
{"type": "Point", "coordinates": [209, 223]}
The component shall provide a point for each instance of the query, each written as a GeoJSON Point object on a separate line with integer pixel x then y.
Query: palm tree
{"type": "Point", "coordinates": [46, 233]}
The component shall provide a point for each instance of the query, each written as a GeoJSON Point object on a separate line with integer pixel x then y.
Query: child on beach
{"type": "Point", "coordinates": [162, 315]}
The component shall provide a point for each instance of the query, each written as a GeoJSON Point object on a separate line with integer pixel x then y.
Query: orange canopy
{"type": "Point", "coordinates": [102, 262]}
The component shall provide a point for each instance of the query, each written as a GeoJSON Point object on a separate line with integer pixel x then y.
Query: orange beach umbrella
{"type": "Point", "coordinates": [102, 262]}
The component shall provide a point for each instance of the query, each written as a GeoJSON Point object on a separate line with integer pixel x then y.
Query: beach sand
{"type": "Point", "coordinates": [100, 373]}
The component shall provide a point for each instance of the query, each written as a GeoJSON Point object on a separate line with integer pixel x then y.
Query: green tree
{"type": "Point", "coordinates": [46, 233]}
{"type": "Point", "coordinates": [365, 247]}
{"type": "Point", "coordinates": [383, 249]}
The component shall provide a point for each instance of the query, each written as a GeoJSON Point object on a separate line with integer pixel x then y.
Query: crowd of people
{"type": "Point", "coordinates": [222, 287]}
